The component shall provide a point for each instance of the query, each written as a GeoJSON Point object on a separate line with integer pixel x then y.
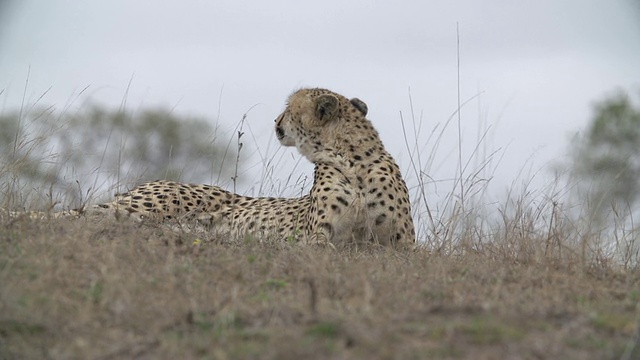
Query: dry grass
{"type": "Point", "coordinates": [535, 281]}
{"type": "Point", "coordinates": [83, 290]}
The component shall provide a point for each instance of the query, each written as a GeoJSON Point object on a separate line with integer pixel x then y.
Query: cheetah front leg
{"type": "Point", "coordinates": [320, 237]}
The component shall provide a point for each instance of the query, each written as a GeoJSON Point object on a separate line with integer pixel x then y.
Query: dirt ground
{"type": "Point", "coordinates": [83, 290]}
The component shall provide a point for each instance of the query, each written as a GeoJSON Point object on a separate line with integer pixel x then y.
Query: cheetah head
{"type": "Point", "coordinates": [315, 118]}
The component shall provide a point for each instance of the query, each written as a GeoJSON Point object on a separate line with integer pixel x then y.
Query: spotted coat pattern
{"type": "Point", "coordinates": [358, 194]}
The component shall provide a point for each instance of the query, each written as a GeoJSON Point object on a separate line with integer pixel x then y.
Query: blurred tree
{"type": "Point", "coordinates": [23, 153]}
{"type": "Point", "coordinates": [77, 153]}
{"type": "Point", "coordinates": [606, 158]}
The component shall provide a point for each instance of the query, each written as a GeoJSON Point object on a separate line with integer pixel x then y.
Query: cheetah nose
{"type": "Point", "coordinates": [279, 132]}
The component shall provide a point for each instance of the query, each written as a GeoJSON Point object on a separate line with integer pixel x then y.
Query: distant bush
{"type": "Point", "coordinates": [46, 155]}
{"type": "Point", "coordinates": [606, 157]}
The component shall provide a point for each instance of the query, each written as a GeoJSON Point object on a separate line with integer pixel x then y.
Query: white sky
{"type": "Point", "coordinates": [538, 66]}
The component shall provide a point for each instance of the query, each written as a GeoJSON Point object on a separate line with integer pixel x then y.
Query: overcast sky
{"type": "Point", "coordinates": [534, 67]}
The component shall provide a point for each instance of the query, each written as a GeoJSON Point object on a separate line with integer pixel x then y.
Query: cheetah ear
{"type": "Point", "coordinates": [360, 105]}
{"type": "Point", "coordinates": [327, 108]}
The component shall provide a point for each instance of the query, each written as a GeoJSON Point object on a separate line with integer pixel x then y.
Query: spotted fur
{"type": "Point", "coordinates": [358, 193]}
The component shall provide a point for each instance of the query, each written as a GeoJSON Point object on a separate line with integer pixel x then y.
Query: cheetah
{"type": "Point", "coordinates": [358, 193]}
